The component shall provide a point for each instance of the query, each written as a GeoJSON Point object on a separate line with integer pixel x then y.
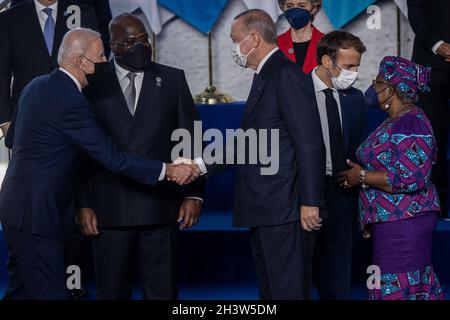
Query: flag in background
{"type": "Point", "coordinates": [343, 11]}
{"type": "Point", "coordinates": [201, 14]}
{"type": "Point", "coordinates": [403, 6]}
{"type": "Point", "coordinates": [156, 15]}
{"type": "Point", "coordinates": [270, 6]}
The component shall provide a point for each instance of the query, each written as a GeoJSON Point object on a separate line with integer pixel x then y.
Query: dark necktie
{"type": "Point", "coordinates": [337, 145]}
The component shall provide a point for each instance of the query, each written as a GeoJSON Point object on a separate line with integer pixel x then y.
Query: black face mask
{"type": "Point", "coordinates": [136, 58]}
{"type": "Point", "coordinates": [100, 69]}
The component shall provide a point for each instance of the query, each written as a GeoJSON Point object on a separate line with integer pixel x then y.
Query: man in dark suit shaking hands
{"type": "Point", "coordinates": [139, 103]}
{"type": "Point", "coordinates": [31, 33]}
{"type": "Point", "coordinates": [282, 210]}
{"type": "Point", "coordinates": [52, 127]}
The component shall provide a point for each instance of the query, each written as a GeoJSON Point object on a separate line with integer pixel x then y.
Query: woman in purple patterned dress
{"type": "Point", "coordinates": [399, 205]}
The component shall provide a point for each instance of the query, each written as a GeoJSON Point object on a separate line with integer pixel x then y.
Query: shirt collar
{"type": "Point", "coordinates": [72, 77]}
{"type": "Point", "coordinates": [40, 6]}
{"type": "Point", "coordinates": [122, 72]}
{"type": "Point", "coordinates": [263, 62]}
{"type": "Point", "coordinates": [319, 85]}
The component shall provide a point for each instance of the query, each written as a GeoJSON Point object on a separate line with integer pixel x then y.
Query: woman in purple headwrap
{"type": "Point", "coordinates": [399, 205]}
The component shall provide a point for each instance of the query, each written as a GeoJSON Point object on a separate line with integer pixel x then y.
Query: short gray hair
{"type": "Point", "coordinates": [75, 44]}
{"type": "Point", "coordinates": [260, 21]}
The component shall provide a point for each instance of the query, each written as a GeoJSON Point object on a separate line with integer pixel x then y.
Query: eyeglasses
{"type": "Point", "coordinates": [144, 39]}
{"type": "Point", "coordinates": [374, 82]}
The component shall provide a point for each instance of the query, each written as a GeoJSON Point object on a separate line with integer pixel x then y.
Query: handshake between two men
{"type": "Point", "coordinates": [183, 171]}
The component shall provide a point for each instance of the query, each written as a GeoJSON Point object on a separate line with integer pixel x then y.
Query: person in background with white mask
{"type": "Point", "coordinates": [343, 118]}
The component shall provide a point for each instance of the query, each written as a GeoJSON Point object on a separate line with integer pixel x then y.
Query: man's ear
{"type": "Point", "coordinates": [327, 62]}
{"type": "Point", "coordinates": [256, 40]}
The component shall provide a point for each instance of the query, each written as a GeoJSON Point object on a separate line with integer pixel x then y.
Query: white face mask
{"type": "Point", "coordinates": [345, 79]}
{"type": "Point", "coordinates": [239, 57]}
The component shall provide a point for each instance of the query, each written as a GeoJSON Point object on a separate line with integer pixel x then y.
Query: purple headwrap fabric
{"type": "Point", "coordinates": [409, 77]}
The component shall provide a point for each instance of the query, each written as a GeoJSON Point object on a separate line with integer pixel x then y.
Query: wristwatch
{"type": "Point", "coordinates": [362, 179]}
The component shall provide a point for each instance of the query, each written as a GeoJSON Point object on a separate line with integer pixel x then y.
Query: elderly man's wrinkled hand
{"type": "Point", "coordinates": [182, 174]}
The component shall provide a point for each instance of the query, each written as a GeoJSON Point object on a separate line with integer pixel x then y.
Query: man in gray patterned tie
{"type": "Point", "coordinates": [139, 103]}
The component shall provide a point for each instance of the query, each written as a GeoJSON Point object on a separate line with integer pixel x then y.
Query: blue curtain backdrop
{"type": "Point", "coordinates": [201, 14]}
{"type": "Point", "coordinates": [341, 12]}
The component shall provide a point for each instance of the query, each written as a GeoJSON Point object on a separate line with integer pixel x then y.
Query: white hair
{"type": "Point", "coordinates": [75, 44]}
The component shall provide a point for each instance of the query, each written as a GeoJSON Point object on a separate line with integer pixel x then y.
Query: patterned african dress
{"type": "Point", "coordinates": [402, 222]}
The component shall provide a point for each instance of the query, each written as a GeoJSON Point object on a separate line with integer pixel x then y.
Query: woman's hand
{"type": "Point", "coordinates": [350, 178]}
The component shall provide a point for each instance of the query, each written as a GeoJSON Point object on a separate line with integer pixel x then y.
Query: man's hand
{"type": "Point", "coordinates": [310, 218]}
{"type": "Point", "coordinates": [188, 162]}
{"type": "Point", "coordinates": [182, 174]}
{"type": "Point", "coordinates": [444, 51]}
{"type": "Point", "coordinates": [189, 213]}
{"type": "Point", "coordinates": [87, 221]}
{"type": "Point", "coordinates": [350, 178]}
{"type": "Point", "coordinates": [5, 128]}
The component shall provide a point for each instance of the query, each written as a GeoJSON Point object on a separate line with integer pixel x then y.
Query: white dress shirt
{"type": "Point", "coordinates": [42, 16]}
{"type": "Point", "coordinates": [263, 61]}
{"type": "Point", "coordinates": [319, 87]}
{"type": "Point", "coordinates": [124, 81]}
{"type": "Point", "coordinates": [72, 77]}
{"type": "Point", "coordinates": [436, 46]}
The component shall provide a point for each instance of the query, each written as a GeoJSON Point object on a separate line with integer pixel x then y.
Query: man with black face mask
{"type": "Point", "coordinates": [139, 103]}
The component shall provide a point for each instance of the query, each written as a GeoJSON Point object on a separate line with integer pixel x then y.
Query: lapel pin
{"type": "Point", "coordinates": [291, 51]}
{"type": "Point", "coordinates": [158, 81]}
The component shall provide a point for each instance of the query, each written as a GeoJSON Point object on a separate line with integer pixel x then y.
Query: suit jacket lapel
{"type": "Point", "coordinates": [35, 27]}
{"type": "Point", "coordinates": [115, 91]}
{"type": "Point", "coordinates": [148, 97]}
{"type": "Point", "coordinates": [253, 99]}
{"type": "Point", "coordinates": [258, 88]}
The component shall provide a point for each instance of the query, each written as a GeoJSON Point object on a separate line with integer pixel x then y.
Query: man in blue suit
{"type": "Point", "coordinates": [343, 118]}
{"type": "Point", "coordinates": [51, 129]}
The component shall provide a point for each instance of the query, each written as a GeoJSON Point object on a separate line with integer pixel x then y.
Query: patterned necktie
{"type": "Point", "coordinates": [337, 144]}
{"type": "Point", "coordinates": [49, 30]}
{"type": "Point", "coordinates": [130, 93]}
